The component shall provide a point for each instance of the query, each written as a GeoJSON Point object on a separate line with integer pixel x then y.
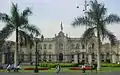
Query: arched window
{"type": "Point", "coordinates": [60, 57]}
{"type": "Point", "coordinates": [61, 46]}
{"type": "Point", "coordinates": [93, 56]}
{"type": "Point", "coordinates": [77, 46]}
{"type": "Point", "coordinates": [40, 46]}
{"type": "Point", "coordinates": [72, 46]}
{"type": "Point", "coordinates": [83, 46]}
{"type": "Point", "coordinates": [44, 56]}
{"type": "Point", "coordinates": [107, 55]}
{"type": "Point", "coordinates": [22, 56]}
{"type": "Point", "coordinates": [50, 46]}
{"type": "Point", "coordinates": [45, 46]}
{"type": "Point", "coordinates": [83, 55]}
{"type": "Point", "coordinates": [49, 57]}
{"type": "Point", "coordinates": [93, 45]}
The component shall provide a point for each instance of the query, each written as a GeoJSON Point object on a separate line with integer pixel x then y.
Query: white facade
{"type": "Point", "coordinates": [62, 48]}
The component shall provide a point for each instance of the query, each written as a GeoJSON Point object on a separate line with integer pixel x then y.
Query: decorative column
{"type": "Point", "coordinates": [90, 58]}
{"type": "Point", "coordinates": [113, 58]}
{"type": "Point", "coordinates": [54, 57]}
{"type": "Point", "coordinates": [105, 58]}
{"type": "Point", "coordinates": [3, 58]}
{"type": "Point", "coordinates": [75, 58]}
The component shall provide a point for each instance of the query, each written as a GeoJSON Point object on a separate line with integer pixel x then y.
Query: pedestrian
{"type": "Point", "coordinates": [9, 68]}
{"type": "Point", "coordinates": [18, 68]}
{"type": "Point", "coordinates": [95, 67]}
{"type": "Point", "coordinates": [58, 69]}
{"type": "Point", "coordinates": [15, 67]}
{"type": "Point", "coordinates": [31, 63]}
{"type": "Point", "coordinates": [83, 68]}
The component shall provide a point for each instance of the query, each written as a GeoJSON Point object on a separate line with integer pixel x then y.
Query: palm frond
{"type": "Point", "coordinates": [88, 34]}
{"type": "Point", "coordinates": [4, 17]}
{"type": "Point", "coordinates": [27, 12]}
{"type": "Point", "coordinates": [112, 18]}
{"type": "Point", "coordinates": [110, 36]}
{"type": "Point", "coordinates": [24, 16]}
{"type": "Point", "coordinates": [15, 15]}
{"type": "Point", "coordinates": [97, 11]}
{"type": "Point", "coordinates": [102, 29]}
{"type": "Point", "coordinates": [102, 11]}
{"type": "Point", "coordinates": [32, 29]}
{"type": "Point", "coordinates": [79, 21]}
{"type": "Point", "coordinates": [23, 21]}
{"type": "Point", "coordinates": [82, 21]}
{"type": "Point", "coordinates": [27, 38]}
{"type": "Point", "coordinates": [6, 31]}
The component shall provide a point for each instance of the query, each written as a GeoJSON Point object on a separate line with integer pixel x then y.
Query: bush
{"type": "Point", "coordinates": [53, 65]}
{"type": "Point", "coordinates": [43, 65]}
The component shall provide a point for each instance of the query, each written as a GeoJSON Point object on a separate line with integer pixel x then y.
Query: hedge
{"type": "Point", "coordinates": [53, 65]}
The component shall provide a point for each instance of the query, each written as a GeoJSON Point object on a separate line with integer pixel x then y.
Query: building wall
{"type": "Point", "coordinates": [70, 48]}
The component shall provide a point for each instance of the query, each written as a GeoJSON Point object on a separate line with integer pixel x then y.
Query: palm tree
{"type": "Point", "coordinates": [96, 19]}
{"type": "Point", "coordinates": [26, 41]}
{"type": "Point", "coordinates": [18, 22]}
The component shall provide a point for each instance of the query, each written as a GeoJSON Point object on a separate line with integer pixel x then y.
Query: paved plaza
{"type": "Point", "coordinates": [64, 73]}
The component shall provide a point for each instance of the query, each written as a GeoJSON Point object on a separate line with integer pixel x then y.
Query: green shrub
{"type": "Point", "coordinates": [43, 65]}
{"type": "Point", "coordinates": [53, 65]}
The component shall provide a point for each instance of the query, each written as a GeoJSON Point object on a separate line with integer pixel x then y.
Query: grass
{"type": "Point", "coordinates": [104, 69]}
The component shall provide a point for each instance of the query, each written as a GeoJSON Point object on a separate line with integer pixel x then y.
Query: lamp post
{"type": "Point", "coordinates": [36, 53]}
{"type": "Point", "coordinates": [36, 58]}
{"type": "Point", "coordinates": [8, 54]}
{"type": "Point", "coordinates": [85, 10]}
{"type": "Point", "coordinates": [118, 52]}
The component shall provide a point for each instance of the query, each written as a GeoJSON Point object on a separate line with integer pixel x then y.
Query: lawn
{"type": "Point", "coordinates": [104, 69]}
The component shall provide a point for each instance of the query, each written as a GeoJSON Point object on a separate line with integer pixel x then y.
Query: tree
{"type": "Point", "coordinates": [18, 22]}
{"type": "Point", "coordinates": [96, 19]}
{"type": "Point", "coordinates": [27, 41]}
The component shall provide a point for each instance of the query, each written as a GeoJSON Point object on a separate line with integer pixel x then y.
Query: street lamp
{"type": "Point", "coordinates": [36, 53]}
{"type": "Point", "coordinates": [85, 10]}
{"type": "Point", "coordinates": [8, 54]}
{"type": "Point", "coordinates": [118, 52]}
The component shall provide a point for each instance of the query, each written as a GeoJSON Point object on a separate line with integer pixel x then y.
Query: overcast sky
{"type": "Point", "coordinates": [47, 15]}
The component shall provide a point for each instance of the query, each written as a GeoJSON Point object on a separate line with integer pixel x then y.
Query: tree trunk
{"type": "Point", "coordinates": [16, 50]}
{"type": "Point", "coordinates": [98, 50]}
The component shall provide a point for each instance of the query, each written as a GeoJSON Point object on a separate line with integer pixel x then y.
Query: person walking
{"type": "Point", "coordinates": [95, 66]}
{"type": "Point", "coordinates": [58, 69]}
{"type": "Point", "coordinates": [9, 68]}
{"type": "Point", "coordinates": [83, 68]}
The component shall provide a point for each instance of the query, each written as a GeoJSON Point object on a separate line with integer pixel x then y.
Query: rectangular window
{"type": "Point", "coordinates": [45, 46]}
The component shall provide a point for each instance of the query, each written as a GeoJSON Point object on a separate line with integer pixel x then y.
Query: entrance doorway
{"type": "Point", "coordinates": [61, 57]}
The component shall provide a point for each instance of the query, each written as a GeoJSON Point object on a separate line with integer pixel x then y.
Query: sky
{"type": "Point", "coordinates": [48, 14]}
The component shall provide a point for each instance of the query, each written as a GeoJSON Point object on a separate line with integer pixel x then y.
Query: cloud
{"type": "Point", "coordinates": [47, 14]}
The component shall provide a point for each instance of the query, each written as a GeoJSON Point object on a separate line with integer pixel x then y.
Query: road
{"type": "Point", "coordinates": [64, 73]}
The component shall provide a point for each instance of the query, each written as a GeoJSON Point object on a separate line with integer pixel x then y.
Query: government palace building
{"type": "Point", "coordinates": [61, 48]}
